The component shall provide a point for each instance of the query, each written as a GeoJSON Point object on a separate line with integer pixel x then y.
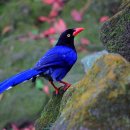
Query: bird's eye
{"type": "Point", "coordinates": [68, 35]}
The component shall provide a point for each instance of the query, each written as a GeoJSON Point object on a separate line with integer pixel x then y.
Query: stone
{"type": "Point", "coordinates": [115, 33]}
{"type": "Point", "coordinates": [99, 101]}
{"type": "Point", "coordinates": [89, 60]}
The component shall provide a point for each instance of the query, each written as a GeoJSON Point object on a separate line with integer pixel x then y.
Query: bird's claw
{"type": "Point", "coordinates": [67, 86]}
{"type": "Point", "coordinates": [62, 89]}
{"type": "Point", "coordinates": [57, 91]}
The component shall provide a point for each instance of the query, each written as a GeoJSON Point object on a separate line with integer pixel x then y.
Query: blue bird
{"type": "Point", "coordinates": [54, 65]}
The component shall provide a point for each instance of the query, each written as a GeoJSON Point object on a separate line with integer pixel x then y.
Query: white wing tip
{"type": "Point", "coordinates": [9, 88]}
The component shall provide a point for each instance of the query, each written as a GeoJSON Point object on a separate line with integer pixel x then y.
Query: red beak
{"type": "Point", "coordinates": [77, 31]}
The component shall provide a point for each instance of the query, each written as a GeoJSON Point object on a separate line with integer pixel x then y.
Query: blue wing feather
{"type": "Point", "coordinates": [17, 79]}
{"type": "Point", "coordinates": [57, 62]}
{"type": "Point", "coordinates": [58, 56]}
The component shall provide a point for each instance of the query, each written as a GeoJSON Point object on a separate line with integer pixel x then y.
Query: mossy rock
{"type": "Point", "coordinates": [125, 3]}
{"type": "Point", "coordinates": [105, 7]}
{"type": "Point", "coordinates": [50, 112]}
{"type": "Point", "coordinates": [115, 33]}
{"type": "Point", "coordinates": [99, 101]}
{"type": "Point", "coordinates": [21, 104]}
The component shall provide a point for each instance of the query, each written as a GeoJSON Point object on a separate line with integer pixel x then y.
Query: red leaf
{"type": "Point", "coordinates": [48, 32]}
{"type": "Point", "coordinates": [60, 2]}
{"type": "Point", "coordinates": [55, 9]}
{"type": "Point", "coordinates": [103, 19]}
{"type": "Point", "coordinates": [85, 41]}
{"type": "Point", "coordinates": [15, 127]}
{"type": "Point", "coordinates": [49, 2]}
{"type": "Point", "coordinates": [46, 89]}
{"type": "Point", "coordinates": [53, 13]}
{"type": "Point", "coordinates": [76, 15]}
{"type": "Point", "coordinates": [60, 26]}
{"type": "Point", "coordinates": [43, 19]}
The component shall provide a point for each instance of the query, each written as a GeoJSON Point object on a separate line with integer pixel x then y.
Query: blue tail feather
{"type": "Point", "coordinates": [17, 79]}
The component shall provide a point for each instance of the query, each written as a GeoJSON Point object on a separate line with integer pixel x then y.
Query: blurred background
{"type": "Point", "coordinates": [27, 30]}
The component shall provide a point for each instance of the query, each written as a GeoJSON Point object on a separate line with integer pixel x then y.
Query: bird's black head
{"type": "Point", "coordinates": [67, 37]}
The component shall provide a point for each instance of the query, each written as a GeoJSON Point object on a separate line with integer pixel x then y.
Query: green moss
{"type": "Point", "coordinates": [21, 104]}
{"type": "Point", "coordinates": [115, 33]}
{"type": "Point", "coordinates": [50, 113]}
{"type": "Point", "coordinates": [100, 99]}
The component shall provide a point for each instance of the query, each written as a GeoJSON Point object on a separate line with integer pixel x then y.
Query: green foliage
{"type": "Point", "coordinates": [39, 84]}
{"type": "Point", "coordinates": [20, 104]}
{"type": "Point", "coordinates": [22, 14]}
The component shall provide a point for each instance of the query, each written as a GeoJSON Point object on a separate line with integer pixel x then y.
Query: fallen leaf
{"type": "Point", "coordinates": [85, 41]}
{"type": "Point", "coordinates": [14, 127]}
{"type": "Point", "coordinates": [103, 19]}
{"type": "Point", "coordinates": [76, 15]}
{"type": "Point", "coordinates": [7, 29]}
{"type": "Point", "coordinates": [49, 2]}
{"type": "Point", "coordinates": [46, 90]}
{"type": "Point", "coordinates": [43, 19]}
{"type": "Point", "coordinates": [56, 8]}
{"type": "Point", "coordinates": [60, 26]}
{"type": "Point", "coordinates": [49, 32]}
{"type": "Point", "coordinates": [53, 13]}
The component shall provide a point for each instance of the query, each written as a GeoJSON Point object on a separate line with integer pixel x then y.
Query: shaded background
{"type": "Point", "coordinates": [27, 30]}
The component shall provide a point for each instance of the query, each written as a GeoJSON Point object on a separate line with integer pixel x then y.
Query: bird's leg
{"type": "Point", "coordinates": [34, 81]}
{"type": "Point", "coordinates": [67, 85]}
{"type": "Point", "coordinates": [56, 89]}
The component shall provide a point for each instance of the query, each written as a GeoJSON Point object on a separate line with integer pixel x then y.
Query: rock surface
{"type": "Point", "coordinates": [115, 33]}
{"type": "Point", "coordinates": [49, 113]}
{"type": "Point", "coordinates": [99, 101]}
{"type": "Point", "coordinates": [103, 7]}
{"type": "Point", "coordinates": [88, 60]}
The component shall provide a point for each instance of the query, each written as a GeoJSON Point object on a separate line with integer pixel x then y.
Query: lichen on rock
{"type": "Point", "coordinates": [50, 112]}
{"type": "Point", "coordinates": [115, 33]}
{"type": "Point", "coordinates": [99, 101]}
